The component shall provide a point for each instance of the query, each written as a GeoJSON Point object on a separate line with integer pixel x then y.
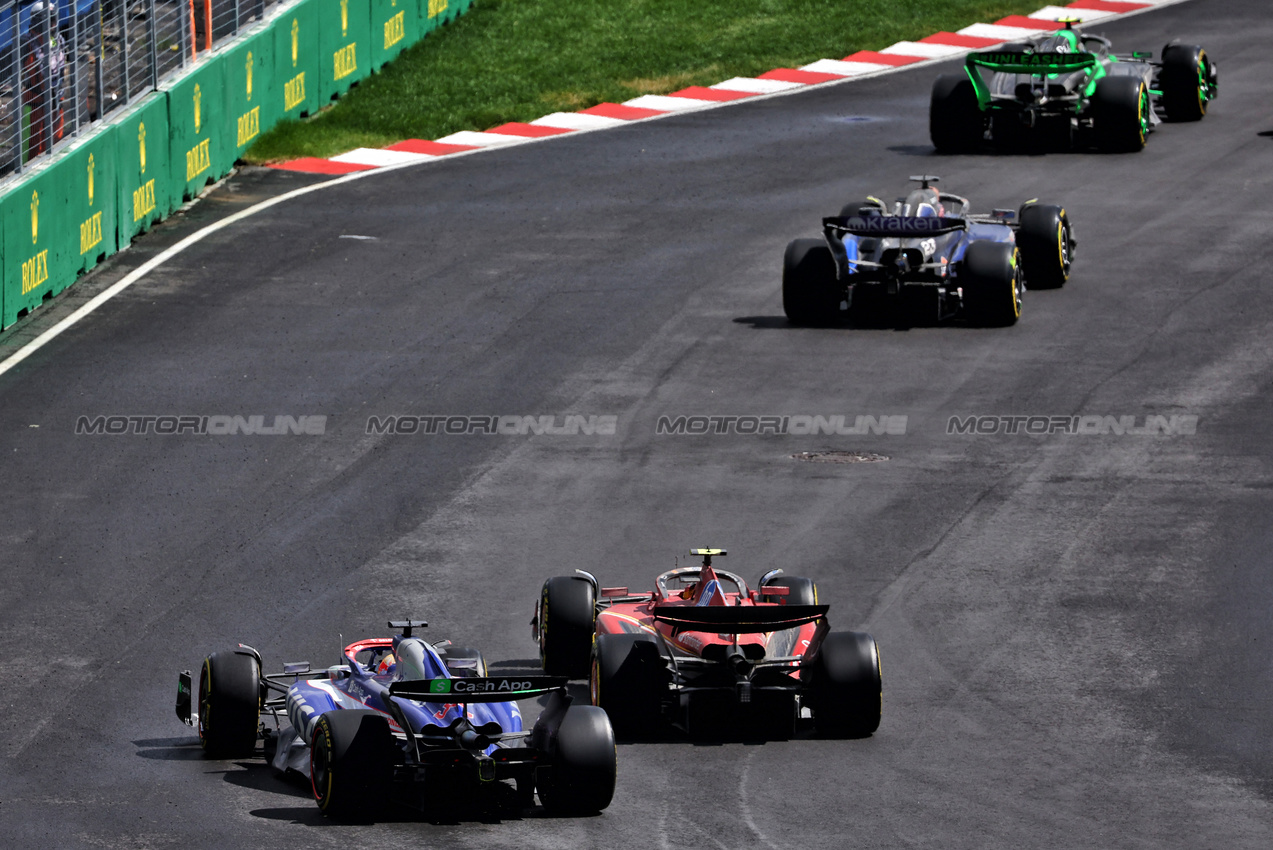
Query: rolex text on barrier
{"type": "Point", "coordinates": [395, 26]}
{"type": "Point", "coordinates": [198, 130]}
{"type": "Point", "coordinates": [249, 71]}
{"type": "Point", "coordinates": [344, 37]}
{"type": "Point", "coordinates": [90, 170]}
{"type": "Point", "coordinates": [143, 179]}
{"type": "Point", "coordinates": [432, 15]}
{"type": "Point", "coordinates": [41, 239]}
{"type": "Point", "coordinates": [296, 61]}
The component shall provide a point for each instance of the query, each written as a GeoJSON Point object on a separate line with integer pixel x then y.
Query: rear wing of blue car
{"type": "Point", "coordinates": [468, 689]}
{"type": "Point", "coordinates": [738, 619]}
{"type": "Point", "coordinates": [896, 226]}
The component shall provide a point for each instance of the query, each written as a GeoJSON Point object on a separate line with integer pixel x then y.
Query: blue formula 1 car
{"type": "Point", "coordinates": [402, 718]}
{"type": "Point", "coordinates": [930, 254]}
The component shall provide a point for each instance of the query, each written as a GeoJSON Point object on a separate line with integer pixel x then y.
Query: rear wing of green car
{"type": "Point", "coordinates": [1037, 64]}
{"type": "Point", "coordinates": [1034, 64]}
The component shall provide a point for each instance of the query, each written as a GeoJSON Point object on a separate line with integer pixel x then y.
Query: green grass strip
{"type": "Point", "coordinates": [517, 60]}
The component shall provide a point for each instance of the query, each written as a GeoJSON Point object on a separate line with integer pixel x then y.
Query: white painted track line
{"type": "Point", "coordinates": [569, 121]}
{"type": "Point", "coordinates": [164, 256]}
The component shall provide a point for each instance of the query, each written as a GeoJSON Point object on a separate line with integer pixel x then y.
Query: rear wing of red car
{"type": "Point", "coordinates": [738, 619]}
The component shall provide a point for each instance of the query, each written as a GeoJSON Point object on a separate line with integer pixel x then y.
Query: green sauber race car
{"type": "Point", "coordinates": [1068, 90]}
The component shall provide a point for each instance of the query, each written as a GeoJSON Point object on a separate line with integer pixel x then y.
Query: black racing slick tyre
{"type": "Point", "coordinates": [1046, 244]}
{"type": "Point", "coordinates": [566, 619]}
{"type": "Point", "coordinates": [801, 591]}
{"type": "Point", "coordinates": [351, 761]}
{"type": "Point", "coordinates": [229, 704]}
{"type": "Point", "coordinates": [811, 295]}
{"type": "Point", "coordinates": [956, 123]}
{"type": "Point", "coordinates": [1187, 81]}
{"type": "Point", "coordinates": [628, 681]}
{"type": "Point", "coordinates": [992, 283]}
{"type": "Point", "coordinates": [1120, 114]}
{"type": "Point", "coordinates": [845, 686]}
{"type": "Point", "coordinates": [583, 764]}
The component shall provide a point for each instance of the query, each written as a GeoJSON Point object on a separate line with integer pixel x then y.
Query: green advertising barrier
{"type": "Point", "coordinates": [198, 129]}
{"type": "Point", "coordinates": [248, 86]}
{"type": "Point", "coordinates": [90, 172]}
{"type": "Point", "coordinates": [41, 240]}
{"type": "Point", "coordinates": [296, 86]}
{"type": "Point", "coordinates": [433, 14]}
{"type": "Point", "coordinates": [395, 26]}
{"type": "Point", "coordinates": [142, 174]}
{"type": "Point", "coordinates": [131, 171]}
{"type": "Point", "coordinates": [344, 40]}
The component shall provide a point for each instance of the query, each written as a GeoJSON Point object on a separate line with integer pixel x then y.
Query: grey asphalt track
{"type": "Point", "coordinates": [1075, 629]}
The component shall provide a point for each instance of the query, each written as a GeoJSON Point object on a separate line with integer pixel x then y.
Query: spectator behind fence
{"type": "Point", "coordinates": [43, 68]}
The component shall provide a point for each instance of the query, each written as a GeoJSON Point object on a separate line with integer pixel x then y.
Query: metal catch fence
{"type": "Point", "coordinates": [65, 64]}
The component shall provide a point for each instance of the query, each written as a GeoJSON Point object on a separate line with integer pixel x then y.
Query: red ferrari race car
{"type": "Point", "coordinates": [706, 653]}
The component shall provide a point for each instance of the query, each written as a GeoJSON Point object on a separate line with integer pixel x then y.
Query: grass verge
{"type": "Point", "coordinates": [517, 60]}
